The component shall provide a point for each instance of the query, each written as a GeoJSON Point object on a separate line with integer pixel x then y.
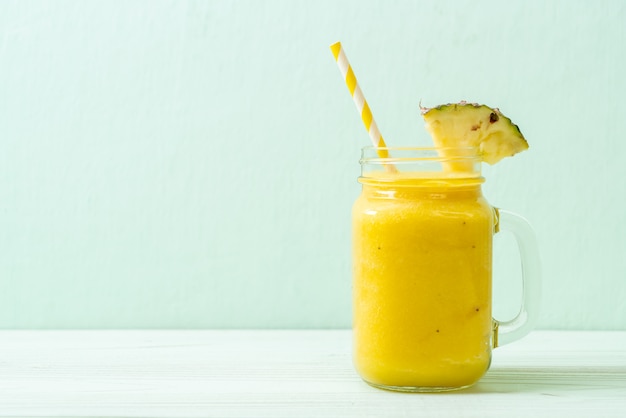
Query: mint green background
{"type": "Point", "coordinates": [192, 164]}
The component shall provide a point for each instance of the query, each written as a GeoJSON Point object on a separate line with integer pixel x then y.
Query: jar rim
{"type": "Point", "coordinates": [399, 153]}
{"type": "Point", "coordinates": [440, 162]}
{"type": "Point", "coordinates": [418, 148]}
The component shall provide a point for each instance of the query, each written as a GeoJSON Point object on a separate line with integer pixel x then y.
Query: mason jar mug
{"type": "Point", "coordinates": [422, 270]}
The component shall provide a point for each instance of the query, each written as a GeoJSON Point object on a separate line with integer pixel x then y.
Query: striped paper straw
{"type": "Point", "coordinates": [359, 100]}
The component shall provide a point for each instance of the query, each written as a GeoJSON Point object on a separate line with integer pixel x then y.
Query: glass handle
{"type": "Point", "coordinates": [508, 331]}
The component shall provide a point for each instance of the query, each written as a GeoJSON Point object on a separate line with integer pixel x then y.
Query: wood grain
{"type": "Point", "coordinates": [271, 373]}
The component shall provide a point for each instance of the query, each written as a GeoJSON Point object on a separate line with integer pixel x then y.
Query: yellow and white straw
{"type": "Point", "coordinates": [359, 100]}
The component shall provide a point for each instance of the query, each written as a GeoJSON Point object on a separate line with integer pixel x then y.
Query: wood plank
{"type": "Point", "coordinates": [265, 373]}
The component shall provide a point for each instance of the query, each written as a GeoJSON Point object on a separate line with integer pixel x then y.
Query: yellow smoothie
{"type": "Point", "coordinates": [422, 281]}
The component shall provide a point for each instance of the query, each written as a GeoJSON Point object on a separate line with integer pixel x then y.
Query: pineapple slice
{"type": "Point", "coordinates": [472, 125]}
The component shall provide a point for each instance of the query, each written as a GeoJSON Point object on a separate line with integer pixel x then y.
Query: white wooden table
{"type": "Point", "coordinates": [290, 374]}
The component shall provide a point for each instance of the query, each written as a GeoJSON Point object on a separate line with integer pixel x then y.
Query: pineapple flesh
{"type": "Point", "coordinates": [473, 125]}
